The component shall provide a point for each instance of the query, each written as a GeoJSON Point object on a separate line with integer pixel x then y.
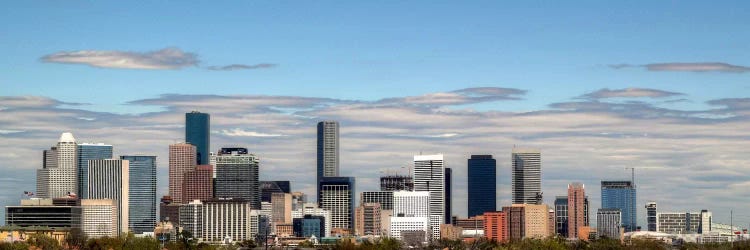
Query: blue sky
{"type": "Point", "coordinates": [401, 76]}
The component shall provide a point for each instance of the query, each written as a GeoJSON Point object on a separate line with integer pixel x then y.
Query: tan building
{"type": "Point", "coordinates": [281, 208]}
{"type": "Point", "coordinates": [367, 217]}
{"type": "Point", "coordinates": [450, 232]}
{"type": "Point", "coordinates": [385, 221]}
{"type": "Point", "coordinates": [551, 223]}
{"type": "Point", "coordinates": [99, 218]}
{"type": "Point", "coordinates": [537, 220]}
{"type": "Point", "coordinates": [284, 230]}
{"type": "Point", "coordinates": [181, 160]}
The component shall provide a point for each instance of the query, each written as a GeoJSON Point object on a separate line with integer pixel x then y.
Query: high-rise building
{"type": "Point", "coordinates": [526, 183]}
{"type": "Point", "coordinates": [49, 158]}
{"type": "Point", "coordinates": [198, 133]}
{"type": "Point", "coordinates": [411, 212]}
{"type": "Point", "coordinates": [281, 208]}
{"type": "Point", "coordinates": [429, 175]}
{"type": "Point", "coordinates": [191, 218]}
{"type": "Point", "coordinates": [86, 152]}
{"type": "Point", "coordinates": [561, 214]}
{"type": "Point", "coordinates": [684, 222]}
{"type": "Point", "coordinates": [651, 216]}
{"type": "Point", "coordinates": [384, 198]}
{"type": "Point", "coordinates": [527, 220]}
{"type": "Point", "coordinates": [495, 226]}
{"type": "Point", "coordinates": [313, 209]}
{"type": "Point", "coordinates": [110, 179]}
{"type": "Point", "coordinates": [621, 195]}
{"type": "Point", "coordinates": [181, 160]}
{"type": "Point", "coordinates": [269, 187]}
{"type": "Point", "coordinates": [608, 221]}
{"type": "Point", "coordinates": [99, 218]}
{"type": "Point", "coordinates": [328, 150]}
{"type": "Point", "coordinates": [198, 184]}
{"type": "Point", "coordinates": [368, 219]}
{"type": "Point", "coordinates": [58, 177]}
{"type": "Point", "coordinates": [337, 195]}
{"type": "Point", "coordinates": [169, 210]}
{"type": "Point", "coordinates": [516, 224]}
{"type": "Point", "coordinates": [227, 220]}
{"type": "Point", "coordinates": [576, 220]}
{"type": "Point", "coordinates": [396, 183]}
{"type": "Point", "coordinates": [482, 193]}
{"type": "Point", "coordinates": [142, 189]}
{"type": "Point", "coordinates": [448, 196]}
{"type": "Point", "coordinates": [237, 176]}
{"type": "Point", "coordinates": [43, 213]}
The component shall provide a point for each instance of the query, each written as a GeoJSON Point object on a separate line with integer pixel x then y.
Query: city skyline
{"type": "Point", "coordinates": [666, 94]}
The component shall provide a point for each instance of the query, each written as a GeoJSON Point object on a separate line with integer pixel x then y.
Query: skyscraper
{"type": "Point", "coordinates": [576, 218]}
{"type": "Point", "coordinates": [142, 189]}
{"type": "Point", "coordinates": [328, 149]}
{"type": "Point", "coordinates": [197, 132]}
{"type": "Point", "coordinates": [58, 178]}
{"type": "Point", "coordinates": [237, 176]}
{"type": "Point", "coordinates": [621, 195]}
{"type": "Point", "coordinates": [429, 175]}
{"type": "Point", "coordinates": [384, 198]}
{"type": "Point", "coordinates": [281, 208]}
{"type": "Point", "coordinates": [608, 221]}
{"type": "Point", "coordinates": [651, 216]}
{"type": "Point", "coordinates": [411, 212]}
{"type": "Point", "coordinates": [269, 187]}
{"type": "Point", "coordinates": [561, 214]}
{"type": "Point", "coordinates": [368, 219]}
{"type": "Point", "coordinates": [181, 160]}
{"type": "Point", "coordinates": [86, 152]}
{"type": "Point", "coordinates": [526, 181]}
{"type": "Point", "coordinates": [198, 184]}
{"type": "Point", "coordinates": [110, 179]}
{"type": "Point", "coordinates": [482, 193]}
{"type": "Point", "coordinates": [448, 195]}
{"type": "Point", "coordinates": [337, 195]}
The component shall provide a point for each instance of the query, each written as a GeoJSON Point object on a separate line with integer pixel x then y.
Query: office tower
{"type": "Point", "coordinates": [142, 189]}
{"type": "Point", "coordinates": [608, 221]}
{"type": "Point", "coordinates": [448, 194]}
{"type": "Point", "coordinates": [57, 178]}
{"type": "Point", "coordinates": [99, 218]}
{"type": "Point", "coordinates": [515, 214]}
{"type": "Point", "coordinates": [527, 221]}
{"type": "Point", "coordinates": [429, 175]}
{"type": "Point", "coordinates": [621, 195]}
{"type": "Point", "coordinates": [198, 184]}
{"type": "Point", "coordinates": [169, 210]}
{"type": "Point", "coordinates": [561, 214]}
{"type": "Point", "coordinates": [495, 226]}
{"type": "Point", "coordinates": [384, 198]}
{"type": "Point", "coordinates": [368, 219]}
{"type": "Point", "coordinates": [110, 179]}
{"type": "Point", "coordinates": [86, 152]}
{"type": "Point", "coordinates": [269, 187]}
{"type": "Point", "coordinates": [684, 222]}
{"type": "Point", "coordinates": [281, 208]}
{"type": "Point", "coordinates": [313, 209]}
{"type": "Point", "coordinates": [198, 133]}
{"type": "Point", "coordinates": [576, 213]}
{"type": "Point", "coordinates": [43, 213]}
{"type": "Point", "coordinates": [328, 149]}
{"type": "Point", "coordinates": [396, 183]}
{"type": "Point", "coordinates": [337, 196]}
{"type": "Point", "coordinates": [237, 176]}
{"type": "Point", "coordinates": [482, 191]}
{"type": "Point", "coordinates": [224, 218]}
{"type": "Point", "coordinates": [526, 183]}
{"type": "Point", "coordinates": [411, 212]}
{"type": "Point", "coordinates": [191, 218]}
{"type": "Point", "coordinates": [266, 209]}
{"type": "Point", "coordinates": [181, 160]}
{"type": "Point", "coordinates": [308, 226]}
{"type": "Point", "coordinates": [651, 216]}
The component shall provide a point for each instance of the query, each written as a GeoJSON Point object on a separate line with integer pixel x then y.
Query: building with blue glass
{"type": "Point", "coordinates": [337, 195]}
{"type": "Point", "coordinates": [621, 195]}
{"type": "Point", "coordinates": [142, 199]}
{"type": "Point", "coordinates": [308, 226]}
{"type": "Point", "coordinates": [197, 133]}
{"type": "Point", "coordinates": [86, 152]}
{"type": "Point", "coordinates": [482, 183]}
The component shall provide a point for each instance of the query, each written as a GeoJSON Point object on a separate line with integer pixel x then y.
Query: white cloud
{"type": "Point", "coordinates": [168, 58]}
{"type": "Point", "coordinates": [242, 132]}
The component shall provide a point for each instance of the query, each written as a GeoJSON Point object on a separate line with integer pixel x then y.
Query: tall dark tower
{"type": "Point", "coordinates": [197, 133]}
{"type": "Point", "coordinates": [482, 183]}
{"type": "Point", "coordinates": [448, 192]}
{"type": "Point", "coordinates": [328, 150]}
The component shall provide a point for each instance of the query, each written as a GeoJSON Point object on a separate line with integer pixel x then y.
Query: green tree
{"type": "Point", "coordinates": [43, 242]}
{"type": "Point", "coordinates": [75, 239]}
{"type": "Point", "coordinates": [19, 245]}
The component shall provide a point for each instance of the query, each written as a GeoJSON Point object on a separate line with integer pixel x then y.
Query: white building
{"type": "Point", "coordinates": [313, 209]}
{"type": "Point", "coordinates": [608, 222]}
{"type": "Point", "coordinates": [526, 176]}
{"type": "Point", "coordinates": [99, 218]}
{"type": "Point", "coordinates": [191, 218]}
{"type": "Point", "coordinates": [429, 175]}
{"type": "Point", "coordinates": [227, 220]}
{"type": "Point", "coordinates": [400, 224]}
{"type": "Point", "coordinates": [110, 179]}
{"type": "Point", "coordinates": [411, 212]}
{"type": "Point", "coordinates": [58, 177]}
{"type": "Point", "coordinates": [684, 222]}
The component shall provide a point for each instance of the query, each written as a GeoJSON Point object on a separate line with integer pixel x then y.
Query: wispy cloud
{"type": "Point", "coordinates": [688, 66]}
{"type": "Point", "coordinates": [246, 133]}
{"type": "Point", "coordinates": [628, 93]}
{"type": "Point", "coordinates": [459, 97]}
{"type": "Point", "coordinates": [168, 58]}
{"type": "Point", "coordinates": [242, 67]}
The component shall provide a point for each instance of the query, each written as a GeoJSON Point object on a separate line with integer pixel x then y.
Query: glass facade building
{"type": "Point", "coordinates": [86, 152]}
{"type": "Point", "coordinates": [621, 195]}
{"type": "Point", "coordinates": [237, 176]}
{"type": "Point", "coordinates": [482, 183]}
{"type": "Point", "coordinates": [142, 215]}
{"type": "Point", "coordinates": [197, 132]}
